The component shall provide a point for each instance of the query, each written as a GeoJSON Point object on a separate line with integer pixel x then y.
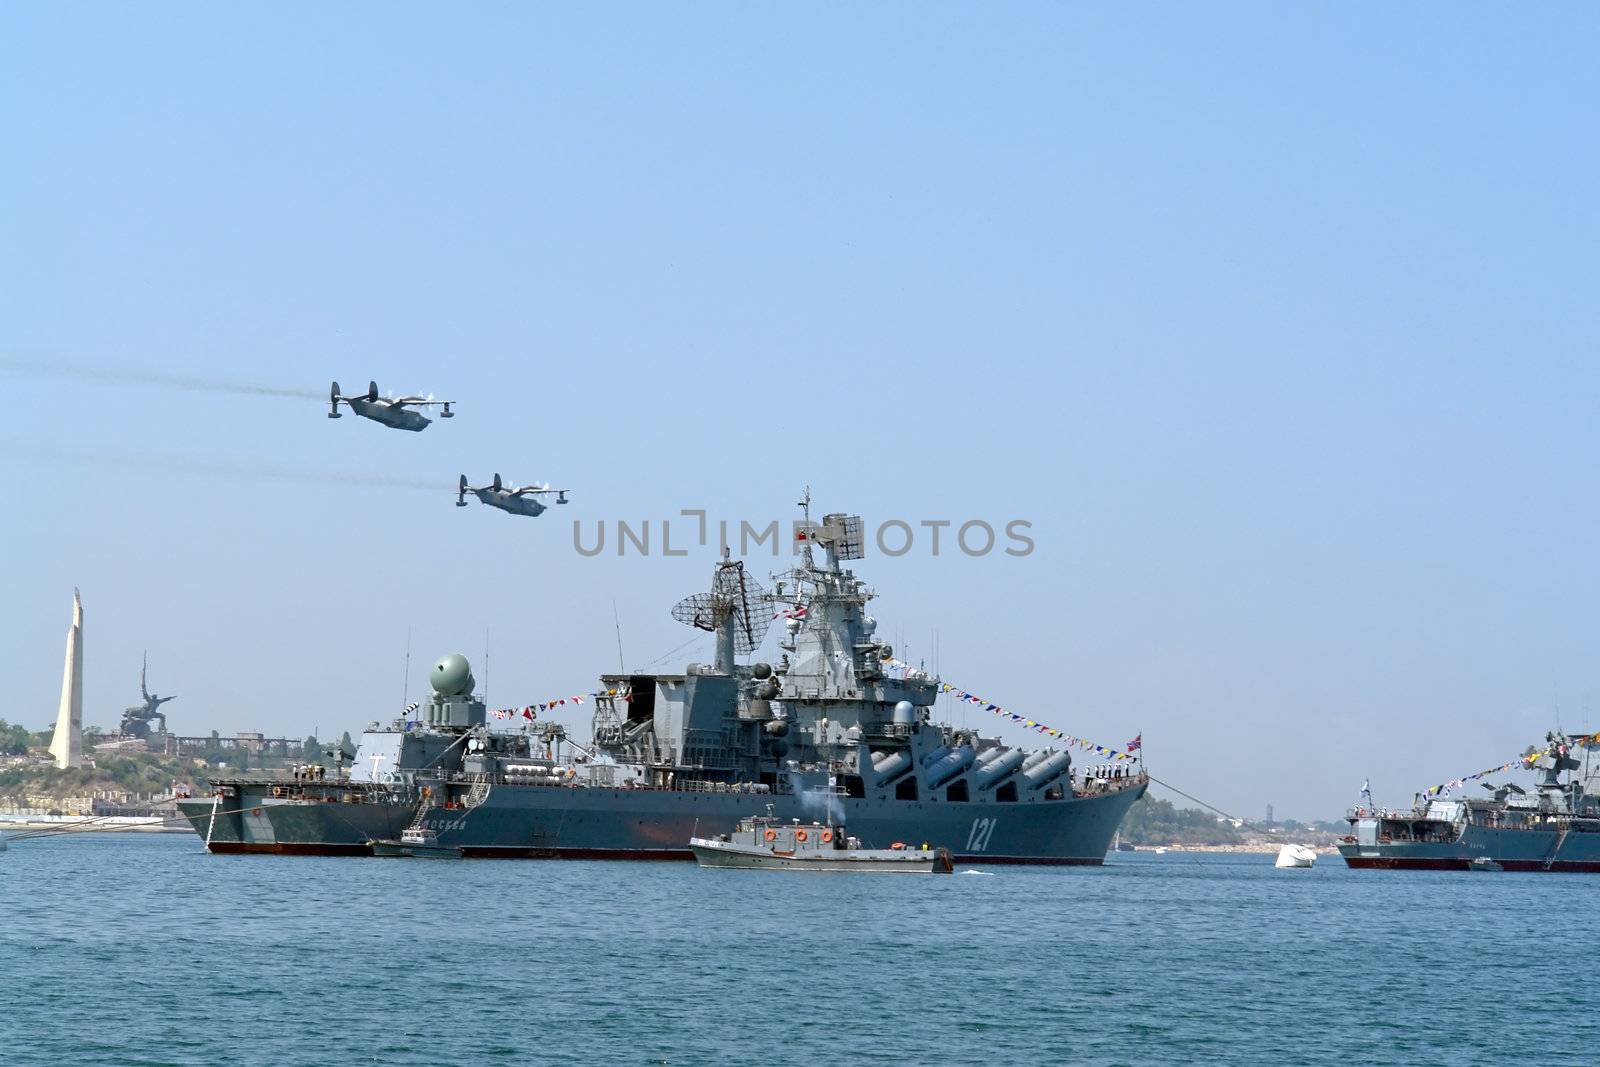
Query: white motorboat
{"type": "Point", "coordinates": [1295, 856]}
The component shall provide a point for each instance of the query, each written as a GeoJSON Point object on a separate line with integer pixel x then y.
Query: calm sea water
{"type": "Point", "coordinates": [132, 949]}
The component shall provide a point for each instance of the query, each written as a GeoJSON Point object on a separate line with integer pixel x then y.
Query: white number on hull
{"type": "Point", "coordinates": [982, 831]}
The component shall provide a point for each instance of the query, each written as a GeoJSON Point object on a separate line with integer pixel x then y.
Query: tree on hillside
{"type": "Point", "coordinates": [1157, 822]}
{"type": "Point", "coordinates": [311, 751]}
{"type": "Point", "coordinates": [14, 740]}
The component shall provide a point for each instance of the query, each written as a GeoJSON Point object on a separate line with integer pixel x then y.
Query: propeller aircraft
{"type": "Point", "coordinates": [389, 410]}
{"type": "Point", "coordinates": [516, 501]}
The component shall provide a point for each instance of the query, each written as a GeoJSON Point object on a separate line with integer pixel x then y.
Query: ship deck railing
{"type": "Point", "coordinates": [741, 788]}
{"type": "Point", "coordinates": [690, 786]}
{"type": "Point", "coordinates": [695, 786]}
{"type": "Point", "coordinates": [1097, 786]}
{"type": "Point", "coordinates": [1401, 814]}
{"type": "Point", "coordinates": [1589, 822]}
{"type": "Point", "coordinates": [1547, 820]}
{"type": "Point", "coordinates": [1524, 818]}
{"type": "Point", "coordinates": [298, 785]}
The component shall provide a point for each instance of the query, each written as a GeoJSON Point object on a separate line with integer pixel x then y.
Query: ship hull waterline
{"type": "Point", "coordinates": [538, 822]}
{"type": "Point", "coordinates": [1539, 851]}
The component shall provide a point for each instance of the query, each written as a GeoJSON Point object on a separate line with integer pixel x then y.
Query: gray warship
{"type": "Point", "coordinates": [830, 732]}
{"type": "Point", "coordinates": [1554, 827]}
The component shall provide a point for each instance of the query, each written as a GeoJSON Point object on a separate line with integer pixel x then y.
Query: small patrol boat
{"type": "Point", "coordinates": [762, 842]}
{"type": "Point", "coordinates": [418, 842]}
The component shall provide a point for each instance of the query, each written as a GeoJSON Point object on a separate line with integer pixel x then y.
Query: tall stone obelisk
{"type": "Point", "coordinates": [67, 745]}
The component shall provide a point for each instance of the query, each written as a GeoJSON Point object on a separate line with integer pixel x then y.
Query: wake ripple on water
{"type": "Point", "coordinates": [179, 957]}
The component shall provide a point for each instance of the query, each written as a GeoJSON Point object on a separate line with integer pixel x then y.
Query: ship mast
{"type": "Point", "coordinates": [805, 511]}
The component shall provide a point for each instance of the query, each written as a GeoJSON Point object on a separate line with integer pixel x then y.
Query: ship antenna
{"type": "Point", "coordinates": [622, 666]}
{"type": "Point", "coordinates": [805, 513]}
{"type": "Point", "coordinates": [733, 610]}
{"type": "Point", "coordinates": [405, 685]}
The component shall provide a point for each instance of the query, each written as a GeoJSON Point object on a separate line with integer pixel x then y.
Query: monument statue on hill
{"type": "Point", "coordinates": [138, 720]}
{"type": "Point", "coordinates": [67, 745]}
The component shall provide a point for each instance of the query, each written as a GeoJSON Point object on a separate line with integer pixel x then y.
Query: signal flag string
{"type": "Point", "coordinates": [1083, 743]}
{"type": "Point", "coordinates": [1134, 746]}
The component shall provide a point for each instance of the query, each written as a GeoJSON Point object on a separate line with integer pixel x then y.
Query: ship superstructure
{"type": "Point", "coordinates": [829, 731]}
{"type": "Point", "coordinates": [1553, 827]}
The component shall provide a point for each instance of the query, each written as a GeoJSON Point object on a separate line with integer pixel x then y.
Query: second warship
{"type": "Point", "coordinates": [831, 732]}
{"type": "Point", "coordinates": [1556, 827]}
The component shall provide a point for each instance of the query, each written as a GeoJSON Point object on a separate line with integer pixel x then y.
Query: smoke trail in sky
{"type": "Point", "coordinates": [112, 374]}
{"type": "Point", "coordinates": [241, 470]}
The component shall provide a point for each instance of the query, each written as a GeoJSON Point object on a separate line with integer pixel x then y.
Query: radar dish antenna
{"type": "Point", "coordinates": [840, 535]}
{"type": "Point", "coordinates": [845, 533]}
{"type": "Point", "coordinates": [733, 610]}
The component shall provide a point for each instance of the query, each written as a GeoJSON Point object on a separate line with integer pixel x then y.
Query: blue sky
{"type": "Point", "coordinates": [1277, 323]}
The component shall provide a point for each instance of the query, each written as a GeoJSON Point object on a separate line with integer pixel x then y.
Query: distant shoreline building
{"type": "Point", "coordinates": [67, 744]}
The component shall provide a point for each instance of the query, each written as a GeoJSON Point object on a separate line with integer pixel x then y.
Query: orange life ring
{"type": "Point", "coordinates": [827, 835]}
{"type": "Point", "coordinates": [799, 835]}
{"type": "Point", "coordinates": [898, 845]}
{"type": "Point", "coordinates": [771, 835]}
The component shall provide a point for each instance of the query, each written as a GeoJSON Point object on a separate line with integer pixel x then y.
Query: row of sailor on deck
{"type": "Point", "coordinates": [1100, 779]}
